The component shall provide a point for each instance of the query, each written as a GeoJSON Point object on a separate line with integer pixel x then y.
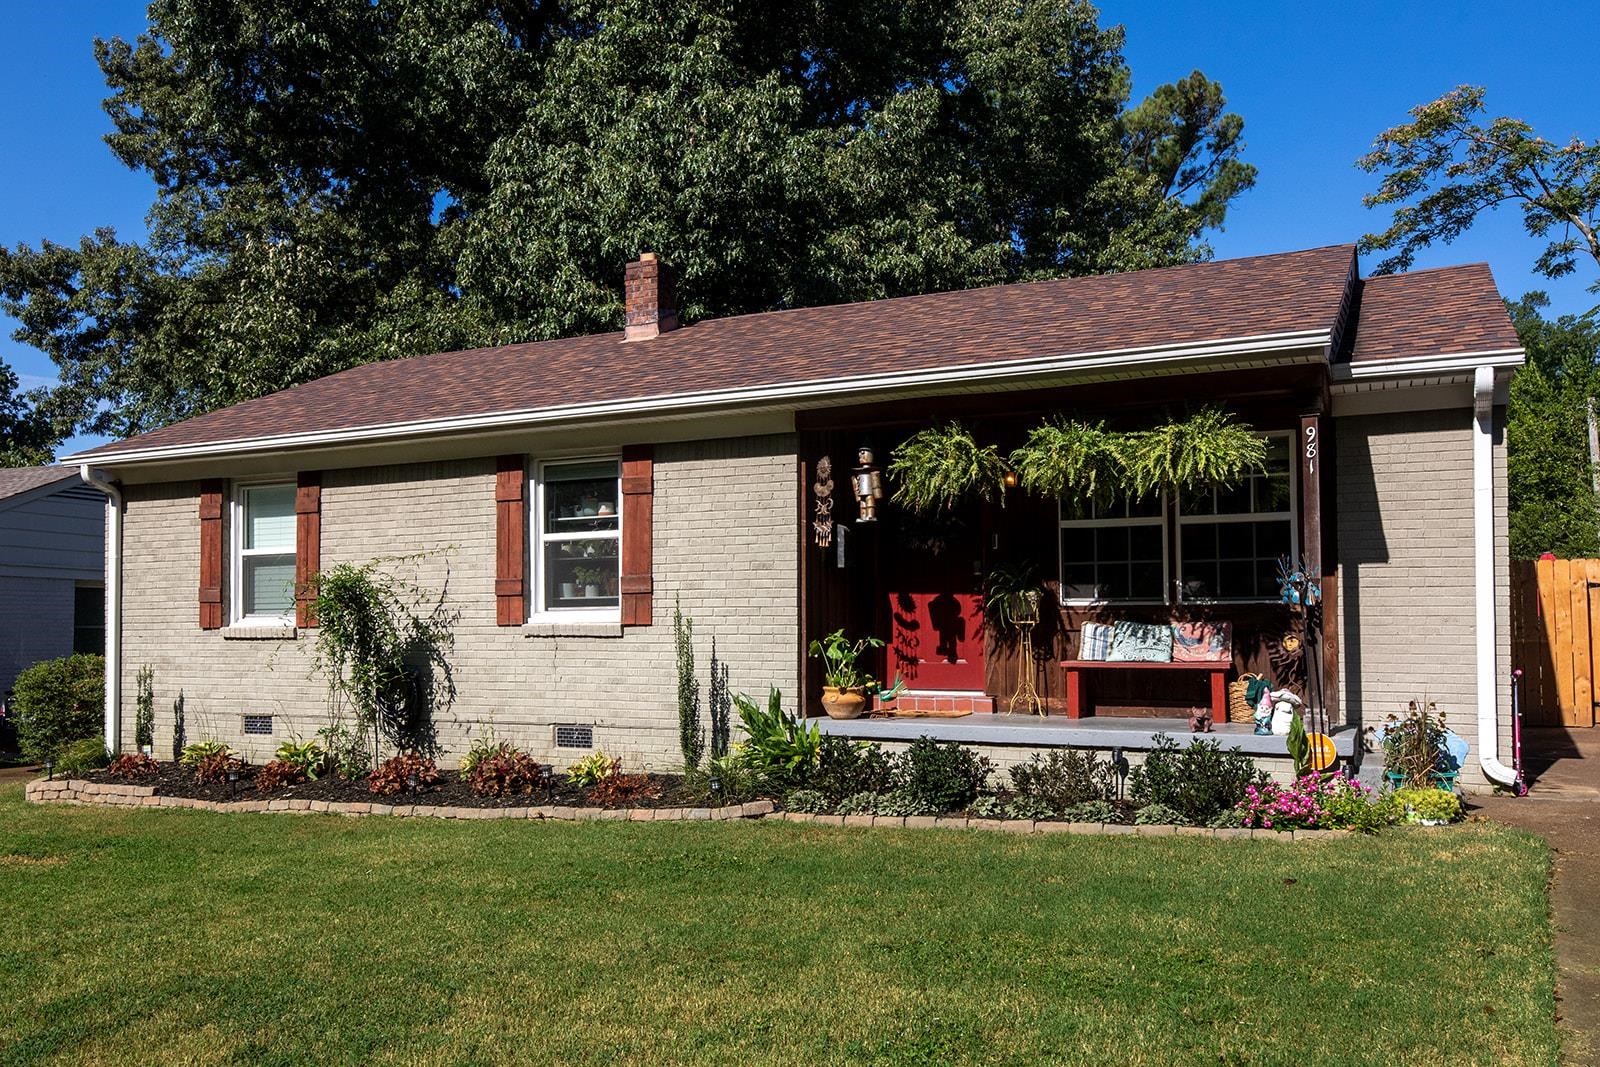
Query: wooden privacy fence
{"type": "Point", "coordinates": [1555, 631]}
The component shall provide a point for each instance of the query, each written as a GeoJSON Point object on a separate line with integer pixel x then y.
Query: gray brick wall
{"type": "Point", "coordinates": [1404, 502]}
{"type": "Point", "coordinates": [724, 544]}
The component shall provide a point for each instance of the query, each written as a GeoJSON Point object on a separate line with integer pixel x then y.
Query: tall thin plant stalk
{"type": "Point", "coordinates": [691, 734]}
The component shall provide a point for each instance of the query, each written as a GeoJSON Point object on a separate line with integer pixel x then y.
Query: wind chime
{"type": "Point", "coordinates": [1026, 618]}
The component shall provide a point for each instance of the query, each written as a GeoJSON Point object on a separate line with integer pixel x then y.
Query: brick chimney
{"type": "Point", "coordinates": [650, 295]}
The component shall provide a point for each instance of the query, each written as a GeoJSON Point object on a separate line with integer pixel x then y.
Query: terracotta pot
{"type": "Point", "coordinates": [843, 703]}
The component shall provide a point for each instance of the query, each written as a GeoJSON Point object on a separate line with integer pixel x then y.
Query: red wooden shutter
{"type": "Point", "coordinates": [211, 554]}
{"type": "Point", "coordinates": [638, 510]}
{"type": "Point", "coordinates": [307, 545]}
{"type": "Point", "coordinates": [510, 540]}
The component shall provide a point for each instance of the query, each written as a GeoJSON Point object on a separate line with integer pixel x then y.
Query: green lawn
{"type": "Point", "coordinates": [178, 936]}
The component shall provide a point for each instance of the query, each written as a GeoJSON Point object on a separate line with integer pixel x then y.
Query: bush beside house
{"type": "Point", "coordinates": [58, 702]}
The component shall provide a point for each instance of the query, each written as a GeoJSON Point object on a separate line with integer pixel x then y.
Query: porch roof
{"type": "Point", "coordinates": [1100, 731]}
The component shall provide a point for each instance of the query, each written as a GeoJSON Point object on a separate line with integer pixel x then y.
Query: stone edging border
{"type": "Point", "coordinates": [78, 791]}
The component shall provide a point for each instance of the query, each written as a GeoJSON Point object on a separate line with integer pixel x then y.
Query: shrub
{"type": "Point", "coordinates": [347, 753]}
{"type": "Point", "coordinates": [82, 756]}
{"type": "Point", "coordinates": [392, 776]}
{"type": "Point", "coordinates": [778, 745]}
{"type": "Point", "coordinates": [277, 774]}
{"type": "Point", "coordinates": [57, 702]}
{"type": "Point", "coordinates": [1065, 777]}
{"type": "Point", "coordinates": [1349, 805]}
{"type": "Point", "coordinates": [1029, 808]}
{"type": "Point", "coordinates": [617, 789]}
{"type": "Point", "coordinates": [737, 781]}
{"type": "Point", "coordinates": [941, 775]}
{"type": "Point", "coordinates": [807, 801]}
{"type": "Point", "coordinates": [987, 808]}
{"type": "Point", "coordinates": [194, 753]}
{"type": "Point", "coordinates": [144, 713]}
{"type": "Point", "coordinates": [1414, 747]}
{"type": "Point", "coordinates": [502, 772]}
{"type": "Point", "coordinates": [1314, 801]}
{"type": "Point", "coordinates": [1198, 781]}
{"type": "Point", "coordinates": [1092, 811]}
{"type": "Point", "coordinates": [897, 803]}
{"type": "Point", "coordinates": [845, 768]}
{"type": "Point", "coordinates": [591, 769]}
{"type": "Point", "coordinates": [860, 804]}
{"type": "Point", "coordinates": [1428, 805]}
{"type": "Point", "coordinates": [133, 766]}
{"type": "Point", "coordinates": [307, 757]}
{"type": "Point", "coordinates": [215, 768]}
{"type": "Point", "coordinates": [1158, 815]}
{"type": "Point", "coordinates": [1232, 819]}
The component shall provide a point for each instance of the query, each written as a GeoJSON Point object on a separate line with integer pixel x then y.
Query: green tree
{"type": "Point", "coordinates": [1553, 505]}
{"type": "Point", "coordinates": [352, 181]}
{"type": "Point", "coordinates": [25, 435]}
{"type": "Point", "coordinates": [1448, 165]}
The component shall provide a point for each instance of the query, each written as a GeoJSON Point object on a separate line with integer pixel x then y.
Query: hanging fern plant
{"type": "Point", "coordinates": [936, 468]}
{"type": "Point", "coordinates": [1064, 457]}
{"type": "Point", "coordinates": [1208, 448]}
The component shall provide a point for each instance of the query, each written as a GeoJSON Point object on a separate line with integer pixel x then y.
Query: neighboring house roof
{"type": "Point", "coordinates": [15, 481]}
{"type": "Point", "coordinates": [1431, 313]}
{"type": "Point", "coordinates": [1300, 299]}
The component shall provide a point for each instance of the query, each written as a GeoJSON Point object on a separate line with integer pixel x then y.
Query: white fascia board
{"type": "Point", "coordinates": [1462, 363]}
{"type": "Point", "coordinates": [840, 390]}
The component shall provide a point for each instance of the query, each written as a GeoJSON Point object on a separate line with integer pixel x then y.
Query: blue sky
{"type": "Point", "coordinates": [1314, 83]}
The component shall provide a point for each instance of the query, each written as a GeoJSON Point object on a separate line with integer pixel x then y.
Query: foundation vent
{"type": "Point", "coordinates": [258, 725]}
{"type": "Point", "coordinates": [571, 735]}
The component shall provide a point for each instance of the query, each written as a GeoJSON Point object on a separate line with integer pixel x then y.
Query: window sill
{"type": "Point", "coordinates": [572, 628]}
{"type": "Point", "coordinates": [258, 631]}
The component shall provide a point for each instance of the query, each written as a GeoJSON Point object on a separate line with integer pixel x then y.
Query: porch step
{"type": "Point", "coordinates": [912, 703]}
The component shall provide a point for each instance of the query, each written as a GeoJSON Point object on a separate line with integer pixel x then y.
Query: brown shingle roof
{"type": "Point", "coordinates": [14, 481]}
{"type": "Point", "coordinates": [1255, 296]}
{"type": "Point", "coordinates": [1439, 312]}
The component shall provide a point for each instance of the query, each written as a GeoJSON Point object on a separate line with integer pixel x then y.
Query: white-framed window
{"type": "Point", "coordinates": [1114, 552]}
{"type": "Point", "coordinates": [577, 538]}
{"type": "Point", "coordinates": [1230, 539]}
{"type": "Point", "coordinates": [263, 527]}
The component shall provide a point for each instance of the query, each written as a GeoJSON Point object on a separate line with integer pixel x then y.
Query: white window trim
{"type": "Point", "coordinates": [1159, 521]}
{"type": "Point", "coordinates": [1293, 515]}
{"type": "Point", "coordinates": [539, 612]}
{"type": "Point", "coordinates": [237, 552]}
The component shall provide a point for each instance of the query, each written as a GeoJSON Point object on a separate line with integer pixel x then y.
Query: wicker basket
{"type": "Point", "coordinates": [1238, 709]}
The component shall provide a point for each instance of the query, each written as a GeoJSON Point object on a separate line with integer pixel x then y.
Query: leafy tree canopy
{"type": "Point", "coordinates": [1553, 505]}
{"type": "Point", "coordinates": [353, 180]}
{"type": "Point", "coordinates": [1448, 165]}
{"type": "Point", "coordinates": [25, 435]}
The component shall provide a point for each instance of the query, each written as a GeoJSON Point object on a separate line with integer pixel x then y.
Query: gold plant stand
{"type": "Point", "coordinates": [1026, 619]}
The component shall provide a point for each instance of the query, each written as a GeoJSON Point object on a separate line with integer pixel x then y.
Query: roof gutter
{"type": "Point", "coordinates": [786, 393]}
{"type": "Point", "coordinates": [97, 479]}
{"type": "Point", "coordinates": [1466, 363]}
{"type": "Point", "coordinates": [1483, 558]}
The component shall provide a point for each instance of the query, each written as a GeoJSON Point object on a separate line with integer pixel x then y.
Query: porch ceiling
{"type": "Point", "coordinates": [1136, 734]}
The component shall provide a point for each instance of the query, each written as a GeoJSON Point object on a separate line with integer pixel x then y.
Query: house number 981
{"type": "Point", "coordinates": [1311, 449]}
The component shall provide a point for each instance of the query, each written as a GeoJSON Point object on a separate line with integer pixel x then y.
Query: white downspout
{"type": "Point", "coordinates": [98, 480]}
{"type": "Point", "coordinates": [1483, 553]}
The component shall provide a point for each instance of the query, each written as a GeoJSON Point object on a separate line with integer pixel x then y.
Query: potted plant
{"type": "Point", "coordinates": [1414, 753]}
{"type": "Point", "coordinates": [589, 578]}
{"type": "Point", "coordinates": [844, 684]}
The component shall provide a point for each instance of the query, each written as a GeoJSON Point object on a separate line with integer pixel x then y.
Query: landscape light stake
{"type": "Point", "coordinates": [716, 790]}
{"type": "Point", "coordinates": [411, 782]}
{"type": "Point", "coordinates": [1119, 763]}
{"type": "Point", "coordinates": [50, 769]}
{"type": "Point", "coordinates": [233, 782]}
{"type": "Point", "coordinates": [547, 779]}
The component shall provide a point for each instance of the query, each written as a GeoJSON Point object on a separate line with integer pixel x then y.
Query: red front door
{"type": "Point", "coordinates": [936, 613]}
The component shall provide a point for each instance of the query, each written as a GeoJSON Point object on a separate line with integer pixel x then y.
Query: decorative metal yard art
{"type": "Point", "coordinates": [1302, 592]}
{"type": "Point", "coordinates": [822, 523]}
{"type": "Point", "coordinates": [868, 483]}
{"type": "Point", "coordinates": [1025, 616]}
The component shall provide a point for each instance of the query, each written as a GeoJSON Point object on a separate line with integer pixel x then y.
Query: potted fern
{"type": "Point", "coordinates": [844, 684]}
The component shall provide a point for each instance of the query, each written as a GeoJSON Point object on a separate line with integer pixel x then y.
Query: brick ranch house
{"type": "Point", "coordinates": [569, 493]}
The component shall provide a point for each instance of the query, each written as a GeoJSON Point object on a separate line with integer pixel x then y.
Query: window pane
{"type": "Point", "coordinates": [581, 574]}
{"type": "Point", "coordinates": [1236, 578]}
{"type": "Point", "coordinates": [1077, 581]}
{"type": "Point", "coordinates": [1144, 542]}
{"type": "Point", "coordinates": [1077, 545]}
{"type": "Point", "coordinates": [89, 619]}
{"type": "Point", "coordinates": [580, 497]}
{"type": "Point", "coordinates": [1147, 581]}
{"type": "Point", "coordinates": [1266, 578]}
{"type": "Point", "coordinates": [1198, 502]}
{"type": "Point", "coordinates": [1235, 541]}
{"type": "Point", "coordinates": [269, 517]}
{"type": "Point", "coordinates": [1112, 580]}
{"type": "Point", "coordinates": [1199, 579]}
{"type": "Point", "coordinates": [1111, 543]}
{"type": "Point", "coordinates": [1234, 499]}
{"type": "Point", "coordinates": [269, 584]}
{"type": "Point", "coordinates": [1147, 507]}
{"type": "Point", "coordinates": [1199, 542]}
{"type": "Point", "coordinates": [1272, 539]}
{"type": "Point", "coordinates": [1277, 454]}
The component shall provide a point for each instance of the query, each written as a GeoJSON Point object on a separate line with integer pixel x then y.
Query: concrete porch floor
{"type": "Point", "coordinates": [1099, 731]}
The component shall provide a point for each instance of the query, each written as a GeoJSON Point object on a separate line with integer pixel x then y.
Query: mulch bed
{"type": "Point", "coordinates": [175, 780]}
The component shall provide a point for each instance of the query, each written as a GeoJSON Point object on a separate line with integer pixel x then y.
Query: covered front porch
{"type": "Point", "coordinates": [919, 582]}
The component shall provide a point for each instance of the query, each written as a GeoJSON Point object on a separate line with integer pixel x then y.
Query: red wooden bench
{"type": "Point", "coordinates": [1078, 681]}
